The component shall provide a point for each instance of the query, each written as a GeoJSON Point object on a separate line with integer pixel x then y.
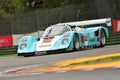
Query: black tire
{"type": "Point", "coordinates": [102, 38]}
{"type": "Point", "coordinates": [26, 54]}
{"type": "Point", "coordinates": [76, 43]}
{"type": "Point", "coordinates": [29, 55]}
{"type": "Point", "coordinates": [19, 55]}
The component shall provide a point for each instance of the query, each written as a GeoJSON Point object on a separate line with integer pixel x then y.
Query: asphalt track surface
{"type": "Point", "coordinates": [104, 74]}
{"type": "Point", "coordinates": [107, 74]}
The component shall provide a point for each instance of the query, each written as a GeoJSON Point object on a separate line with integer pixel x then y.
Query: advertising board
{"type": "Point", "coordinates": [6, 41]}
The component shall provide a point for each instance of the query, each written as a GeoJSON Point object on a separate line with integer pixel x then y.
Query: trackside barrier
{"type": "Point", "coordinates": [6, 41]}
{"type": "Point", "coordinates": [8, 50]}
{"type": "Point", "coordinates": [116, 25]}
{"type": "Point", "coordinates": [112, 40]}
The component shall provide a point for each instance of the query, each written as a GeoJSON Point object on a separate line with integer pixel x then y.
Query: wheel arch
{"type": "Point", "coordinates": [71, 42]}
{"type": "Point", "coordinates": [97, 32]}
{"type": "Point", "coordinates": [77, 36]}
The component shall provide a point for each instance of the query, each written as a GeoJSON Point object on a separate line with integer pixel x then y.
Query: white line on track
{"type": "Point", "coordinates": [88, 69]}
{"type": "Point", "coordinates": [116, 67]}
{"type": "Point", "coordinates": [60, 72]}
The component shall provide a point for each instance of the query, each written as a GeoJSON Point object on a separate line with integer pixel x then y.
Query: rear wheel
{"type": "Point", "coordinates": [102, 38]}
{"type": "Point", "coordinates": [76, 42]}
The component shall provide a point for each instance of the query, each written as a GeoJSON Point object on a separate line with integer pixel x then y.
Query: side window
{"type": "Point", "coordinates": [68, 28]}
{"type": "Point", "coordinates": [77, 28]}
{"type": "Point", "coordinates": [73, 29]}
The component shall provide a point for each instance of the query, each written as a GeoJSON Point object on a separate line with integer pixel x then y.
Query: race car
{"type": "Point", "coordinates": [67, 36]}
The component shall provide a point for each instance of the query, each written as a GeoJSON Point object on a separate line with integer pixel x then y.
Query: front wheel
{"type": "Point", "coordinates": [76, 43]}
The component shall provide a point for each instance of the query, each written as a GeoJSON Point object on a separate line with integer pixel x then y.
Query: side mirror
{"type": "Point", "coordinates": [37, 39]}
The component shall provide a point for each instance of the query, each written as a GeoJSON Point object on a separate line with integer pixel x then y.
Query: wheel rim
{"type": "Point", "coordinates": [76, 43]}
{"type": "Point", "coordinates": [102, 38]}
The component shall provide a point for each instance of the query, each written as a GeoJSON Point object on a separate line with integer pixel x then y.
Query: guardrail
{"type": "Point", "coordinates": [112, 40]}
{"type": "Point", "coordinates": [8, 50]}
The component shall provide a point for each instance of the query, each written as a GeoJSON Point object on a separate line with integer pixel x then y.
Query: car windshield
{"type": "Point", "coordinates": [55, 30]}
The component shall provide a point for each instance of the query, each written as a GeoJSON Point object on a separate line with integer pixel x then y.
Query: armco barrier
{"type": "Point", "coordinates": [8, 50]}
{"type": "Point", "coordinates": [112, 40]}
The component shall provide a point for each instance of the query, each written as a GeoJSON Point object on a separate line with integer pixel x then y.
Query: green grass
{"type": "Point", "coordinates": [107, 59]}
{"type": "Point", "coordinates": [6, 55]}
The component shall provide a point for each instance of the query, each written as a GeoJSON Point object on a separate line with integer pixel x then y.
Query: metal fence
{"type": "Point", "coordinates": [37, 20]}
{"type": "Point", "coordinates": [30, 22]}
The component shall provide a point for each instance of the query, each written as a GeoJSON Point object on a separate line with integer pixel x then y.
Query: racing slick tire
{"type": "Point", "coordinates": [76, 45]}
{"type": "Point", "coordinates": [102, 38]}
{"type": "Point", "coordinates": [26, 54]}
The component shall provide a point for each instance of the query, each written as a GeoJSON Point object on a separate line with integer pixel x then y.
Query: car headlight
{"type": "Point", "coordinates": [65, 41]}
{"type": "Point", "coordinates": [23, 46]}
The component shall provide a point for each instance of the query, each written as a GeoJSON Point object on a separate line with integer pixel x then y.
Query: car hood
{"type": "Point", "coordinates": [46, 43]}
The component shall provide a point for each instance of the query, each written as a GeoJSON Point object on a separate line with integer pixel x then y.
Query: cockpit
{"type": "Point", "coordinates": [55, 30]}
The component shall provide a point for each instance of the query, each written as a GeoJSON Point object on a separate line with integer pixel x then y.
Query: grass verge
{"type": "Point", "coordinates": [102, 60]}
{"type": "Point", "coordinates": [7, 55]}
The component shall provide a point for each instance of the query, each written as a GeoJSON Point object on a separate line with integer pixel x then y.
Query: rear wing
{"type": "Point", "coordinates": [106, 21]}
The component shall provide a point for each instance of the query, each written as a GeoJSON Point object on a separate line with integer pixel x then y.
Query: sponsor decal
{"type": "Point", "coordinates": [82, 39]}
{"type": "Point", "coordinates": [92, 37]}
{"type": "Point", "coordinates": [24, 39]}
{"type": "Point", "coordinates": [47, 40]}
{"type": "Point", "coordinates": [92, 40]}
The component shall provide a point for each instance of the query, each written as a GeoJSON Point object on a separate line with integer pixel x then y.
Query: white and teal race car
{"type": "Point", "coordinates": [66, 36]}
